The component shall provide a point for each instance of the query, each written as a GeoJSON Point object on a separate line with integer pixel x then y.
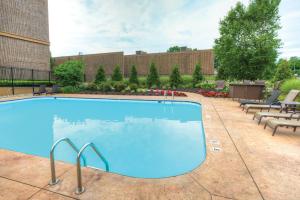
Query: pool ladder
{"type": "Point", "coordinates": [80, 189]}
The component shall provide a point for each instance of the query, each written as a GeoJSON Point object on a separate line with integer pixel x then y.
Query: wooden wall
{"type": "Point", "coordinates": [164, 62]}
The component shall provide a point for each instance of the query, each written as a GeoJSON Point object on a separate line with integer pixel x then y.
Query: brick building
{"type": "Point", "coordinates": [24, 34]}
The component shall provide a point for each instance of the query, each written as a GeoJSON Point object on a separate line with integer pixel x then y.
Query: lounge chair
{"type": "Point", "coordinates": [55, 89]}
{"type": "Point", "coordinates": [220, 85]}
{"type": "Point", "coordinates": [289, 98]}
{"type": "Point", "coordinates": [42, 90]}
{"type": "Point", "coordinates": [261, 115]}
{"type": "Point", "coordinates": [275, 123]}
{"type": "Point", "coordinates": [269, 101]}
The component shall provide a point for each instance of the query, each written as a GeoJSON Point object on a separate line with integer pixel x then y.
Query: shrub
{"type": "Point", "coordinates": [153, 77]}
{"type": "Point", "coordinates": [133, 75]}
{"type": "Point", "coordinates": [117, 75]}
{"type": "Point", "coordinates": [133, 87]}
{"type": "Point", "coordinates": [289, 85]}
{"type": "Point", "coordinates": [206, 86]}
{"type": "Point", "coordinates": [175, 78]}
{"type": "Point", "coordinates": [70, 73]}
{"type": "Point", "coordinates": [197, 74]}
{"type": "Point", "coordinates": [100, 76]}
{"type": "Point", "coordinates": [283, 71]}
{"type": "Point", "coordinates": [70, 89]}
{"type": "Point", "coordinates": [91, 87]}
{"type": "Point", "coordinates": [119, 86]}
{"type": "Point", "coordinates": [105, 87]}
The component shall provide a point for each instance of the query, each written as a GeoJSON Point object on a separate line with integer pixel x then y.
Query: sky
{"type": "Point", "coordinates": [99, 26]}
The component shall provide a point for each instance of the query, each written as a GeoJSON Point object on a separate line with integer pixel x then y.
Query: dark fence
{"type": "Point", "coordinates": [22, 81]}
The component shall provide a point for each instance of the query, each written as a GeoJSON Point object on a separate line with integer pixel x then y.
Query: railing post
{"type": "Point", "coordinates": [54, 180]}
{"type": "Point", "coordinates": [12, 80]}
{"type": "Point", "coordinates": [79, 189]}
{"type": "Point", "coordinates": [32, 79]}
{"type": "Point", "coordinates": [49, 74]}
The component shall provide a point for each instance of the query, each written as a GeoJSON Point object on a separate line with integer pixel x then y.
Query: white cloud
{"type": "Point", "coordinates": [92, 26]}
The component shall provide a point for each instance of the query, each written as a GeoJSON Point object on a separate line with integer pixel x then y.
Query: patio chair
{"type": "Point", "coordinates": [261, 115]}
{"type": "Point", "coordinates": [275, 123]}
{"type": "Point", "coordinates": [289, 98]}
{"type": "Point", "coordinates": [42, 90]}
{"type": "Point", "coordinates": [220, 85]}
{"type": "Point", "coordinates": [269, 101]}
{"type": "Point", "coordinates": [54, 90]}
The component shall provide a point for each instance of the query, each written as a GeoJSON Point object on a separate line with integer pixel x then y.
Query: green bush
{"type": "Point", "coordinates": [133, 87]}
{"type": "Point", "coordinates": [175, 78]}
{"type": "Point", "coordinates": [70, 73]}
{"type": "Point", "coordinates": [119, 86]}
{"type": "Point", "coordinates": [153, 77]}
{"type": "Point", "coordinates": [206, 86]}
{"type": "Point", "coordinates": [283, 71]}
{"type": "Point", "coordinates": [105, 87]}
{"type": "Point", "coordinates": [197, 74]}
{"type": "Point", "coordinates": [70, 89]}
{"type": "Point", "coordinates": [91, 87]}
{"type": "Point", "coordinates": [100, 76]}
{"type": "Point", "coordinates": [117, 75]}
{"type": "Point", "coordinates": [289, 85]}
{"type": "Point", "coordinates": [133, 75]}
{"type": "Point", "coordinates": [25, 83]}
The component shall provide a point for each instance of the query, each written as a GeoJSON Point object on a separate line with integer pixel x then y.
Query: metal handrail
{"type": "Point", "coordinates": [81, 189]}
{"type": "Point", "coordinates": [54, 180]}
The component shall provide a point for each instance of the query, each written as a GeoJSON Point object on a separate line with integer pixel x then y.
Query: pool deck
{"type": "Point", "coordinates": [243, 162]}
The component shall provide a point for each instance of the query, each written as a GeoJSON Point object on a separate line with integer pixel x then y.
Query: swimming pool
{"type": "Point", "coordinates": [145, 139]}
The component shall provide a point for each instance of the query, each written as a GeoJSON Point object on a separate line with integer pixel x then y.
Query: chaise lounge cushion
{"type": "Point", "coordinates": [277, 122]}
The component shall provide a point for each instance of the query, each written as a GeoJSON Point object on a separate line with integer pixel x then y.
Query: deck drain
{"type": "Point", "coordinates": [216, 142]}
{"type": "Point", "coordinates": [216, 149]}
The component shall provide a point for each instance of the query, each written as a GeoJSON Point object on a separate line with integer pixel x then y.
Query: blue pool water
{"type": "Point", "coordinates": [147, 139]}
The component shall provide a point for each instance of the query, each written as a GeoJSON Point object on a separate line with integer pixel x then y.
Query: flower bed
{"type": "Point", "coordinates": [166, 93]}
{"type": "Point", "coordinates": [214, 94]}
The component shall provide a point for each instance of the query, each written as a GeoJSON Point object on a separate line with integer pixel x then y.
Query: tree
{"type": "Point", "coordinates": [197, 74]}
{"type": "Point", "coordinates": [283, 71]}
{"type": "Point", "coordinates": [117, 75]}
{"type": "Point", "coordinates": [153, 77]}
{"type": "Point", "coordinates": [294, 63]}
{"type": "Point", "coordinates": [133, 75]}
{"type": "Point", "coordinates": [70, 73]}
{"type": "Point", "coordinates": [248, 43]}
{"type": "Point", "coordinates": [100, 76]}
{"type": "Point", "coordinates": [175, 77]}
{"type": "Point", "coordinates": [174, 49]}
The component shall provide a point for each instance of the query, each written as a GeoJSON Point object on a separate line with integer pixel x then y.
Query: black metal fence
{"type": "Point", "coordinates": [22, 81]}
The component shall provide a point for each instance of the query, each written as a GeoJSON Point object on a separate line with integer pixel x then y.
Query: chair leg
{"type": "Point", "coordinates": [295, 128]}
{"type": "Point", "coordinates": [259, 120]}
{"type": "Point", "coordinates": [253, 117]}
{"type": "Point", "coordinates": [274, 131]}
{"type": "Point", "coordinates": [265, 125]}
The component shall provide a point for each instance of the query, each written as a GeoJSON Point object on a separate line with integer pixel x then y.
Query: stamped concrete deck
{"type": "Point", "coordinates": [250, 164]}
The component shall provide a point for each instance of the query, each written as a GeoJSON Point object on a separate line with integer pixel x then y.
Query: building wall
{"type": "Point", "coordinates": [24, 34]}
{"type": "Point", "coordinates": [163, 61]}
{"type": "Point", "coordinates": [92, 62]}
